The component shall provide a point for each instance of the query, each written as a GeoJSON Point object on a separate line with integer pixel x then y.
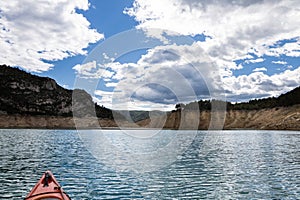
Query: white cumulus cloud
{"type": "Point", "coordinates": [260, 69]}
{"type": "Point", "coordinates": [235, 28]}
{"type": "Point", "coordinates": [32, 33]}
{"type": "Point", "coordinates": [258, 84]}
{"type": "Point", "coordinates": [279, 62]}
{"type": "Point", "coordinates": [163, 76]}
{"type": "Point", "coordinates": [258, 60]}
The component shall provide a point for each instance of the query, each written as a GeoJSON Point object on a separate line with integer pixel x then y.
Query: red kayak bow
{"type": "Point", "coordinates": [47, 188]}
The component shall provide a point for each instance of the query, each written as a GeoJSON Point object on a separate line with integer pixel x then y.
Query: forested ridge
{"type": "Point", "coordinates": [27, 94]}
{"type": "Point", "coordinates": [288, 99]}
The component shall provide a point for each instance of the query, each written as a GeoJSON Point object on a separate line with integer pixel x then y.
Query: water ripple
{"type": "Point", "coordinates": [221, 165]}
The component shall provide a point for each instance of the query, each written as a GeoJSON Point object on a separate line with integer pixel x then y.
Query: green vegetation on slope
{"type": "Point", "coordinates": [288, 99]}
{"type": "Point", "coordinates": [26, 94]}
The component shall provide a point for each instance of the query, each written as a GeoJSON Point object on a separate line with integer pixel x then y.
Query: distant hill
{"type": "Point", "coordinates": [139, 115]}
{"type": "Point", "coordinates": [290, 98]}
{"type": "Point", "coordinates": [26, 94]}
{"type": "Point", "coordinates": [279, 118]}
{"type": "Point", "coordinates": [30, 101]}
{"type": "Point", "coordinates": [276, 113]}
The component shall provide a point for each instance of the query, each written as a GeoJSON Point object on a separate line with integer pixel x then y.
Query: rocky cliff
{"type": "Point", "coordinates": [23, 93]}
{"type": "Point", "coordinates": [29, 101]}
{"type": "Point", "coordinates": [276, 113]}
{"type": "Point", "coordinates": [26, 94]}
{"type": "Point", "coordinates": [280, 118]}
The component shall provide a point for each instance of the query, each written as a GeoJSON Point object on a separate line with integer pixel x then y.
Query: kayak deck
{"type": "Point", "coordinates": [47, 188]}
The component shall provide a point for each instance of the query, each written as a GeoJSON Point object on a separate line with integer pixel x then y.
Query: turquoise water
{"type": "Point", "coordinates": [216, 165]}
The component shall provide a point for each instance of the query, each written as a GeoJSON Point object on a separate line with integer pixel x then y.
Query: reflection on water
{"type": "Point", "coordinates": [124, 150]}
{"type": "Point", "coordinates": [216, 165]}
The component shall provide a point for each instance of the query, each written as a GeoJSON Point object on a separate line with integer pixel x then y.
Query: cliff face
{"type": "Point", "coordinates": [26, 94]}
{"type": "Point", "coordinates": [53, 122]}
{"type": "Point", "coordinates": [23, 93]}
{"type": "Point", "coordinates": [281, 112]}
{"type": "Point", "coordinates": [29, 101]}
{"type": "Point", "coordinates": [280, 118]}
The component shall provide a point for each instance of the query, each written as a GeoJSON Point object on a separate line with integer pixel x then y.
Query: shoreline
{"type": "Point", "coordinates": [128, 128]}
{"type": "Point", "coordinates": [279, 118]}
{"type": "Point", "coordinates": [142, 128]}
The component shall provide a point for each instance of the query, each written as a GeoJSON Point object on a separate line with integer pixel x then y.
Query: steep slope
{"type": "Point", "coordinates": [26, 94]}
{"type": "Point", "coordinates": [23, 93]}
{"type": "Point", "coordinates": [279, 118]}
{"type": "Point", "coordinates": [277, 113]}
{"type": "Point", "coordinates": [31, 101]}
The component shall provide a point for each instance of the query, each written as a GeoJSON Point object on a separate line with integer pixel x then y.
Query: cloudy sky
{"type": "Point", "coordinates": [141, 54]}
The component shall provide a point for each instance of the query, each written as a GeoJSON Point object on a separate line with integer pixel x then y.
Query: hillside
{"type": "Point", "coordinates": [138, 115]}
{"type": "Point", "coordinates": [276, 113]}
{"type": "Point", "coordinates": [26, 94]}
{"type": "Point", "coordinates": [284, 100]}
{"type": "Point", "coordinates": [279, 118]}
{"type": "Point", "coordinates": [30, 101]}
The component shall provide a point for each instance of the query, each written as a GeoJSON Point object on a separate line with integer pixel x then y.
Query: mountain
{"type": "Point", "coordinates": [30, 101]}
{"type": "Point", "coordinates": [277, 113]}
{"type": "Point", "coordinates": [284, 100]}
{"type": "Point", "coordinates": [25, 94]}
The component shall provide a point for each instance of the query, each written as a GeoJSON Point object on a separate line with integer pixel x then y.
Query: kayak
{"type": "Point", "coordinates": [47, 188]}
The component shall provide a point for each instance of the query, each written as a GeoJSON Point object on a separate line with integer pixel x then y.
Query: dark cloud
{"type": "Point", "coordinates": [161, 56]}
{"type": "Point", "coordinates": [155, 93]}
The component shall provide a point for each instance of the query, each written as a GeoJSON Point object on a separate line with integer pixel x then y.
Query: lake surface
{"type": "Point", "coordinates": [213, 165]}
